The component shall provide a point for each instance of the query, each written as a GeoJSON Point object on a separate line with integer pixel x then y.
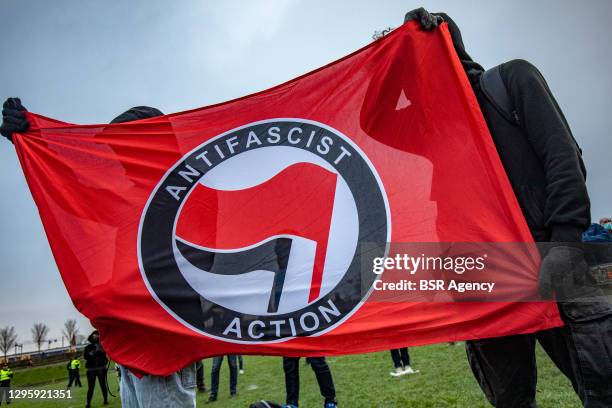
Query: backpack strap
{"type": "Point", "coordinates": [494, 89]}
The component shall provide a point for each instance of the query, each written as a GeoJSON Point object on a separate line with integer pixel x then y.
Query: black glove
{"type": "Point", "coordinates": [13, 118]}
{"type": "Point", "coordinates": [427, 20]}
{"type": "Point", "coordinates": [563, 270]}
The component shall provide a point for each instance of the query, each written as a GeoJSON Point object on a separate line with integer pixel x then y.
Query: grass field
{"type": "Point", "coordinates": [445, 380]}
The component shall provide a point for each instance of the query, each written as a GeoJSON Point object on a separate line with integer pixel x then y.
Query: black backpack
{"type": "Point", "coordinates": [494, 89]}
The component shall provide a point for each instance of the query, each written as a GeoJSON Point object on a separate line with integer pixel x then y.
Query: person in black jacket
{"type": "Point", "coordinates": [544, 165]}
{"type": "Point", "coordinates": [95, 364]}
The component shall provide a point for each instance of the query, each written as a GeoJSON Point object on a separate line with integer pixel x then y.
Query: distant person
{"type": "Point", "coordinates": [6, 374]}
{"type": "Point", "coordinates": [401, 362]}
{"type": "Point", "coordinates": [606, 222]}
{"type": "Point", "coordinates": [597, 233]}
{"type": "Point", "coordinates": [291, 366]}
{"type": "Point", "coordinates": [214, 377]}
{"type": "Point", "coordinates": [74, 374]}
{"type": "Point", "coordinates": [95, 363]}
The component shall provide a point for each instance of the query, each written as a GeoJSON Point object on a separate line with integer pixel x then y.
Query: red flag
{"type": "Point", "coordinates": [252, 226]}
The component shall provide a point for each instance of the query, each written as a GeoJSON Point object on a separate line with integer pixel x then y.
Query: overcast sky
{"type": "Point", "coordinates": [87, 61]}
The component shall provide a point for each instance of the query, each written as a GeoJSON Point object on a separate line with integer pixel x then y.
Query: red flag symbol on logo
{"type": "Point", "coordinates": [297, 201]}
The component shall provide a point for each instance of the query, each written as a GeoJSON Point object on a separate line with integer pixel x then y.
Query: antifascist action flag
{"type": "Point", "coordinates": [253, 226]}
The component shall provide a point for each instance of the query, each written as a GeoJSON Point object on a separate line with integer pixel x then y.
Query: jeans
{"type": "Point", "coordinates": [74, 377]}
{"type": "Point", "coordinates": [505, 367]}
{"type": "Point", "coordinates": [400, 357]}
{"type": "Point", "coordinates": [214, 375]}
{"type": "Point", "coordinates": [150, 391]}
{"type": "Point", "coordinates": [100, 375]}
{"type": "Point", "coordinates": [240, 362]}
{"type": "Point", "coordinates": [291, 366]}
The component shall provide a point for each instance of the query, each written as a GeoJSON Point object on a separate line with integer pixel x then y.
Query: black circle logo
{"type": "Point", "coordinates": [265, 232]}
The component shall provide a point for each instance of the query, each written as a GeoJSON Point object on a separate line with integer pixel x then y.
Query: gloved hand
{"type": "Point", "coordinates": [13, 118]}
{"type": "Point", "coordinates": [427, 20]}
{"type": "Point", "coordinates": [562, 270]}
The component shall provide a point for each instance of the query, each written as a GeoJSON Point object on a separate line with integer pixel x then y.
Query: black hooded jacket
{"type": "Point", "coordinates": [95, 356]}
{"type": "Point", "coordinates": [541, 158]}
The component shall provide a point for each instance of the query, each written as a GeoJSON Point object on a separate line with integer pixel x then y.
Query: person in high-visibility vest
{"type": "Point", "coordinates": [5, 383]}
{"type": "Point", "coordinates": [74, 375]}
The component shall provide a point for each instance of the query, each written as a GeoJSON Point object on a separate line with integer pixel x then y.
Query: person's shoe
{"type": "Point", "coordinates": [233, 395]}
{"type": "Point", "coordinates": [202, 389]}
{"type": "Point", "coordinates": [211, 399]}
{"type": "Point", "coordinates": [288, 406]}
{"type": "Point", "coordinates": [241, 371]}
{"type": "Point", "coordinates": [398, 371]}
{"type": "Point", "coordinates": [409, 370]}
{"type": "Point", "coordinates": [330, 405]}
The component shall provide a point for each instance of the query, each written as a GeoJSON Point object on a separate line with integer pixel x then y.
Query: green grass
{"type": "Point", "coordinates": [40, 375]}
{"type": "Point", "coordinates": [361, 381]}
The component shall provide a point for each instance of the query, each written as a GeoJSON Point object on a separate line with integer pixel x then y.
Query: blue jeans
{"type": "Point", "coordinates": [150, 391]}
{"type": "Point", "coordinates": [214, 376]}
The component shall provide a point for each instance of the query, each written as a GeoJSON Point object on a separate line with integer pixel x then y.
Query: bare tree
{"type": "Point", "coordinates": [39, 334]}
{"type": "Point", "coordinates": [70, 331]}
{"type": "Point", "coordinates": [8, 338]}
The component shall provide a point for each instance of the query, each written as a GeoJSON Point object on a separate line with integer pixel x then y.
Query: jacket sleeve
{"type": "Point", "coordinates": [567, 207]}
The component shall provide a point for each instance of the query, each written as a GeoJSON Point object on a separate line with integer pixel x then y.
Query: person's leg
{"type": "Point", "coordinates": [5, 387]}
{"type": "Point", "coordinates": [405, 357]}
{"type": "Point", "coordinates": [588, 337]}
{"type": "Point", "coordinates": [240, 363]}
{"type": "Point", "coordinates": [70, 378]}
{"type": "Point", "coordinates": [395, 356]}
{"type": "Point", "coordinates": [554, 342]}
{"type": "Point", "coordinates": [4, 394]}
{"type": "Point", "coordinates": [233, 380]}
{"type": "Point", "coordinates": [505, 369]}
{"type": "Point", "coordinates": [214, 377]}
{"type": "Point", "coordinates": [291, 367]}
{"type": "Point", "coordinates": [77, 376]}
{"type": "Point", "coordinates": [324, 378]}
{"type": "Point", "coordinates": [200, 376]}
{"type": "Point", "coordinates": [91, 384]}
{"type": "Point", "coordinates": [103, 386]}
